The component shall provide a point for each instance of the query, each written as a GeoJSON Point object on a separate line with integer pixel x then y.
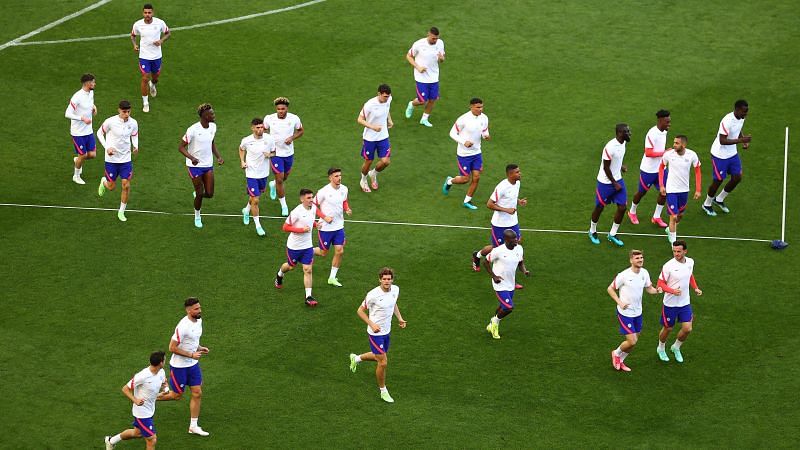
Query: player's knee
{"type": "Point", "coordinates": [339, 250]}
{"type": "Point", "coordinates": [687, 327]}
{"type": "Point", "coordinates": [633, 339]}
{"type": "Point", "coordinates": [197, 391]}
{"type": "Point", "coordinates": [476, 176]}
{"type": "Point", "coordinates": [307, 269]}
{"type": "Point", "coordinates": [91, 155]}
{"type": "Point", "coordinates": [383, 362]}
{"type": "Point", "coordinates": [386, 161]}
{"type": "Point", "coordinates": [151, 441]}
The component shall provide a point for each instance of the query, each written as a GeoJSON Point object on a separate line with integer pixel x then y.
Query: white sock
{"type": "Point", "coordinates": [372, 173]}
{"type": "Point", "coordinates": [677, 344]}
{"type": "Point", "coordinates": [383, 389]}
{"type": "Point", "coordinates": [122, 207]}
{"type": "Point", "coordinates": [721, 196]}
{"type": "Point", "coordinates": [449, 181]}
{"type": "Point", "coordinates": [425, 116]}
{"type": "Point", "coordinates": [657, 212]}
{"type": "Point", "coordinates": [280, 273]}
{"type": "Point", "coordinates": [633, 207]}
{"type": "Point", "coordinates": [196, 213]}
{"type": "Point", "coordinates": [614, 228]}
{"type": "Point", "coordinates": [467, 199]}
{"type": "Point", "coordinates": [618, 350]}
{"type": "Point", "coordinates": [144, 100]}
{"type": "Point", "coordinates": [77, 172]}
{"type": "Point", "coordinates": [495, 319]}
{"type": "Point", "coordinates": [116, 439]}
{"type": "Point", "coordinates": [622, 356]}
{"type": "Point", "coordinates": [334, 271]}
{"type": "Point", "coordinates": [661, 346]}
{"type": "Point", "coordinates": [283, 202]}
{"type": "Point", "coordinates": [363, 178]}
{"type": "Point", "coordinates": [673, 236]}
{"type": "Point", "coordinates": [308, 292]}
{"type": "Point", "coordinates": [258, 222]}
{"type": "Point", "coordinates": [193, 421]}
{"type": "Point", "coordinates": [358, 358]}
{"type": "Point", "coordinates": [592, 227]}
{"type": "Point", "coordinates": [707, 202]}
{"type": "Point", "coordinates": [247, 208]}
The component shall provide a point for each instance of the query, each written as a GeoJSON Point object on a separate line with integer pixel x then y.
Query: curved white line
{"type": "Point", "coordinates": [18, 40]}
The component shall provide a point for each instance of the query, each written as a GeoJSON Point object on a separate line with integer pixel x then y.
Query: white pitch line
{"type": "Point", "coordinates": [187, 27]}
{"type": "Point", "coordinates": [18, 40]}
{"type": "Point", "coordinates": [376, 222]}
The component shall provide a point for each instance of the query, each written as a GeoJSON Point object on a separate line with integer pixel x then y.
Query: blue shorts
{"type": "Point", "coordinates": [305, 256]}
{"type": "Point", "coordinates": [605, 194]}
{"type": "Point", "coordinates": [122, 170]}
{"type": "Point", "coordinates": [195, 172]}
{"type": "Point", "coordinates": [671, 315]}
{"type": "Point", "coordinates": [676, 202]}
{"type": "Point", "coordinates": [466, 164]}
{"type": "Point", "coordinates": [383, 147]}
{"type": "Point", "coordinates": [150, 65]}
{"type": "Point", "coordinates": [145, 426]}
{"type": "Point", "coordinates": [506, 299]}
{"type": "Point", "coordinates": [282, 164]}
{"type": "Point", "coordinates": [629, 325]}
{"type": "Point", "coordinates": [722, 167]}
{"type": "Point", "coordinates": [497, 234]}
{"type": "Point", "coordinates": [255, 186]}
{"type": "Point", "coordinates": [83, 144]}
{"type": "Point", "coordinates": [648, 180]}
{"type": "Point", "coordinates": [328, 238]}
{"type": "Point", "coordinates": [180, 377]}
{"type": "Point", "coordinates": [379, 344]}
{"type": "Point", "coordinates": [427, 91]}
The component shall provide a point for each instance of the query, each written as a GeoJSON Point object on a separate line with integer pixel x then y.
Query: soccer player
{"type": "Point", "coordinates": [725, 158]}
{"type": "Point", "coordinates": [184, 365]}
{"type": "Point", "coordinates": [468, 131]}
{"type": "Point", "coordinates": [152, 32]}
{"type": "Point", "coordinates": [502, 264]}
{"type": "Point", "coordinates": [80, 110]}
{"type": "Point", "coordinates": [331, 201]}
{"type": "Point", "coordinates": [285, 128]}
{"type": "Point", "coordinates": [425, 55]}
{"type": "Point", "coordinates": [257, 150]}
{"type": "Point", "coordinates": [197, 145]}
{"type": "Point", "coordinates": [630, 283]}
{"type": "Point", "coordinates": [376, 120]}
{"type": "Point", "coordinates": [142, 390]}
{"type": "Point", "coordinates": [299, 247]}
{"type": "Point", "coordinates": [675, 279]}
{"type": "Point", "coordinates": [610, 185]}
{"type": "Point", "coordinates": [116, 135]}
{"type": "Point", "coordinates": [381, 303]}
{"type": "Point", "coordinates": [654, 144]}
{"type": "Point", "coordinates": [679, 160]}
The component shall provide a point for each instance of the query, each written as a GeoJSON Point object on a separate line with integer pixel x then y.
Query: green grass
{"type": "Point", "coordinates": [86, 298]}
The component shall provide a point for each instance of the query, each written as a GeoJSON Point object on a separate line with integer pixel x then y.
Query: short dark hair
{"type": "Point", "coordinates": [156, 358]}
{"type": "Point", "coordinates": [683, 138]}
{"type": "Point", "coordinates": [741, 103]}
{"type": "Point", "coordinates": [386, 271]}
{"type": "Point", "coordinates": [434, 31]}
{"type": "Point", "coordinates": [203, 108]}
{"type": "Point", "coordinates": [621, 127]}
{"type": "Point", "coordinates": [333, 170]}
{"type": "Point", "coordinates": [147, 6]}
{"type": "Point", "coordinates": [256, 121]}
{"type": "Point", "coordinates": [661, 113]}
{"type": "Point", "coordinates": [475, 101]}
{"type": "Point", "coordinates": [305, 191]}
{"type": "Point", "coordinates": [281, 101]}
{"type": "Point", "coordinates": [384, 89]}
{"type": "Point", "coordinates": [680, 244]}
{"type": "Point", "coordinates": [191, 301]}
{"type": "Point", "coordinates": [87, 77]}
{"type": "Point", "coordinates": [511, 167]}
{"type": "Point", "coordinates": [124, 104]}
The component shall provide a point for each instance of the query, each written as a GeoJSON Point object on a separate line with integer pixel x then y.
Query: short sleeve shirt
{"type": "Point", "coordinates": [280, 129]}
{"type": "Point", "coordinates": [187, 335]}
{"type": "Point", "coordinates": [149, 32]}
{"type": "Point", "coordinates": [331, 202]}
{"type": "Point", "coordinates": [631, 286]}
{"type": "Point", "coordinates": [257, 155]}
{"type": "Point", "coordinates": [301, 217]}
{"type": "Point", "coordinates": [505, 195]}
{"type": "Point", "coordinates": [380, 305]}
{"type": "Point", "coordinates": [504, 263]}
{"type": "Point", "coordinates": [679, 169]}
{"type": "Point", "coordinates": [427, 55]}
{"type": "Point", "coordinates": [376, 113]}
{"type": "Point", "coordinates": [614, 151]}
{"type": "Point", "coordinates": [118, 134]}
{"type": "Point", "coordinates": [200, 140]}
{"type": "Point", "coordinates": [729, 126]}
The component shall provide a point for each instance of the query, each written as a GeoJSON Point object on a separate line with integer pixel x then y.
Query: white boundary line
{"type": "Point", "coordinates": [16, 42]}
{"type": "Point", "coordinates": [376, 222]}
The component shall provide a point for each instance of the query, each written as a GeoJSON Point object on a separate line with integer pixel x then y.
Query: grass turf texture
{"type": "Point", "coordinates": [87, 298]}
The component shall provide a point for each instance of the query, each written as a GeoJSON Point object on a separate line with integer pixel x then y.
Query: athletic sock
{"type": "Point", "coordinates": [618, 350]}
{"type": "Point", "coordinates": [383, 389]}
{"type": "Point", "coordinates": [196, 213]}
{"type": "Point", "coordinates": [657, 212]}
{"type": "Point", "coordinates": [258, 222]}
{"type": "Point", "coordinates": [633, 207]}
{"type": "Point", "coordinates": [425, 116]}
{"type": "Point", "coordinates": [661, 346]}
{"type": "Point", "coordinates": [707, 202]}
{"type": "Point", "coordinates": [614, 229]}
{"type": "Point", "coordinates": [358, 358]}
{"type": "Point", "coordinates": [308, 292]}
{"type": "Point", "coordinates": [193, 422]}
{"type": "Point", "coordinates": [363, 178]}
{"type": "Point", "coordinates": [144, 100]}
{"type": "Point", "coordinates": [450, 181]}
{"type": "Point", "coordinates": [592, 227]}
{"type": "Point", "coordinates": [673, 236]}
{"type": "Point", "coordinates": [283, 202]}
{"type": "Point", "coordinates": [116, 439]}
{"type": "Point", "coordinates": [372, 173]}
{"type": "Point", "coordinates": [122, 207]}
{"type": "Point", "coordinates": [247, 208]}
{"type": "Point", "coordinates": [677, 344]}
{"type": "Point", "coordinates": [77, 172]}
{"type": "Point", "coordinates": [495, 319]}
{"type": "Point", "coordinates": [622, 355]}
{"type": "Point", "coordinates": [334, 271]}
{"type": "Point", "coordinates": [280, 273]}
{"type": "Point", "coordinates": [721, 196]}
{"type": "Point", "coordinates": [467, 199]}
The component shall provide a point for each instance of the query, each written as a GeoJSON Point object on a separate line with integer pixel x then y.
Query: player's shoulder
{"type": "Point", "coordinates": [395, 290]}
{"type": "Point", "coordinates": [134, 122]}
{"type": "Point", "coordinates": [292, 116]}
{"type": "Point", "coordinates": [270, 117]}
{"type": "Point", "coordinates": [160, 22]}
{"type": "Point", "coordinates": [247, 139]}
{"type": "Point", "coordinates": [211, 126]}
{"type": "Point", "coordinates": [644, 273]}
{"type": "Point", "coordinates": [138, 23]}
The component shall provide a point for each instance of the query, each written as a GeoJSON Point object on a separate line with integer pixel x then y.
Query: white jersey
{"type": "Point", "coordinates": [504, 264]}
{"type": "Point", "coordinates": [631, 286]}
{"type": "Point", "coordinates": [187, 335]}
{"type": "Point", "coordinates": [729, 126]}
{"type": "Point", "coordinates": [301, 217]}
{"type": "Point", "coordinates": [469, 127]}
{"type": "Point", "coordinates": [280, 129]}
{"type": "Point", "coordinates": [614, 151]}
{"type": "Point", "coordinates": [80, 105]}
{"type": "Point", "coordinates": [505, 195]}
{"type": "Point", "coordinates": [146, 385]}
{"type": "Point", "coordinates": [656, 140]}
{"type": "Point", "coordinates": [380, 305]}
{"type": "Point", "coordinates": [149, 32]}
{"type": "Point", "coordinates": [679, 169]}
{"type": "Point", "coordinates": [118, 134]}
{"type": "Point", "coordinates": [200, 140]}
{"type": "Point", "coordinates": [331, 202]}
{"type": "Point", "coordinates": [376, 113]}
{"type": "Point", "coordinates": [677, 276]}
{"type": "Point", "coordinates": [257, 155]}
{"type": "Point", "coordinates": [427, 55]}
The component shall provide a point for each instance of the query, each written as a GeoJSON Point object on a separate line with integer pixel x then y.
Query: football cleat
{"type": "Point", "coordinates": [77, 179]}
{"type": "Point", "coordinates": [260, 231]}
{"type": "Point", "coordinates": [284, 211]}
{"type": "Point", "coordinates": [677, 352]}
{"type": "Point", "coordinates": [633, 217]}
{"type": "Point", "coordinates": [364, 186]}
{"type": "Point", "coordinates": [446, 186]}
{"type": "Point", "coordinates": [594, 239]}
{"type": "Point", "coordinates": [245, 216]}
{"type": "Point", "coordinates": [273, 192]}
{"type": "Point", "coordinates": [614, 240]}
{"type": "Point", "coordinates": [709, 210]}
{"type": "Point", "coordinates": [278, 281]}
{"type": "Point", "coordinates": [107, 441]}
{"type": "Point", "coordinates": [101, 189]}
{"type": "Point", "coordinates": [198, 431]}
{"type": "Point", "coordinates": [334, 282]}
{"type": "Point", "coordinates": [662, 355]}
{"type": "Point", "coordinates": [409, 110]}
{"type": "Point", "coordinates": [615, 362]}
{"type": "Point", "coordinates": [121, 216]}
{"type": "Point", "coordinates": [198, 222]}
{"type": "Point", "coordinates": [353, 363]}
{"type": "Point", "coordinates": [721, 206]}
{"type": "Point", "coordinates": [469, 205]}
{"type": "Point", "coordinates": [153, 90]}
{"type": "Point", "coordinates": [426, 123]}
{"type": "Point", "coordinates": [623, 367]}
{"type": "Point", "coordinates": [659, 222]}
{"type": "Point", "coordinates": [386, 397]}
{"type": "Point", "coordinates": [476, 262]}
{"type": "Point", "coordinates": [146, 107]}
{"type": "Point", "coordinates": [311, 301]}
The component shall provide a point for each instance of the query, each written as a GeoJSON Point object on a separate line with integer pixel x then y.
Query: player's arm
{"type": "Point", "coordinates": [296, 135]}
{"type": "Point", "coordinates": [320, 214]}
{"type": "Point", "coordinates": [485, 132]}
{"type": "Point", "coordinates": [346, 207]}
{"type": "Point", "coordinates": [166, 35]}
{"type": "Point", "coordinates": [101, 137]}
{"type": "Point", "coordinates": [410, 59]}
{"type": "Point", "coordinates": [612, 292]}
{"type": "Point", "coordinates": [662, 284]}
{"type": "Point", "coordinates": [135, 139]}
{"type": "Point", "coordinates": [128, 392]}
{"type": "Point", "coordinates": [491, 204]}
{"type": "Point", "coordinates": [174, 348]}
{"type": "Point", "coordinates": [607, 171]}
{"type": "Point", "coordinates": [362, 120]}
{"type": "Point", "coordinates": [521, 267]}
{"type": "Point", "coordinates": [242, 162]}
{"type": "Point", "coordinates": [389, 122]}
{"type": "Point", "coordinates": [693, 284]}
{"type": "Point", "coordinates": [70, 113]}
{"type": "Point", "coordinates": [362, 313]}
{"type": "Point", "coordinates": [289, 227]}
{"type": "Point", "coordinates": [661, 168]}
{"type": "Point", "coordinates": [220, 161]}
{"type": "Point", "coordinates": [400, 321]}
{"type": "Point", "coordinates": [488, 266]}
{"type": "Point", "coordinates": [455, 134]}
{"type": "Point", "coordinates": [185, 152]}
{"type": "Point", "coordinates": [698, 181]}
{"type": "Point", "coordinates": [133, 40]}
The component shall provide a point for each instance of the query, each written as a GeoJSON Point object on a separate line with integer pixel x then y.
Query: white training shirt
{"type": "Point", "coordinates": [469, 127]}
{"type": "Point", "coordinates": [280, 129]}
{"type": "Point", "coordinates": [380, 305]}
{"type": "Point", "coordinates": [118, 133]}
{"type": "Point", "coordinates": [729, 126]}
{"type": "Point", "coordinates": [149, 32]}
{"type": "Point", "coordinates": [187, 335]}
{"type": "Point", "coordinates": [146, 385]}
{"type": "Point", "coordinates": [376, 113]}
{"type": "Point", "coordinates": [677, 276]}
{"type": "Point", "coordinates": [257, 155]}
{"type": "Point", "coordinates": [504, 263]}
{"type": "Point", "coordinates": [679, 169]}
{"type": "Point", "coordinates": [80, 105]}
{"type": "Point", "coordinates": [631, 286]}
{"type": "Point", "coordinates": [331, 202]}
{"type": "Point", "coordinates": [427, 55]}
{"type": "Point", "coordinates": [657, 140]}
{"type": "Point", "coordinates": [505, 195]}
{"type": "Point", "coordinates": [614, 151]}
{"type": "Point", "coordinates": [200, 140]}
{"type": "Point", "coordinates": [301, 217]}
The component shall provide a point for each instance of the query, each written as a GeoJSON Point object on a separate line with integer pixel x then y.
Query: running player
{"type": "Point", "coordinates": [425, 55]}
{"type": "Point", "coordinates": [80, 110]}
{"type": "Point", "coordinates": [468, 131]}
{"type": "Point", "coordinates": [725, 158]}
{"type": "Point", "coordinates": [376, 120]}
{"type": "Point", "coordinates": [678, 160]}
{"type": "Point", "coordinates": [610, 185]}
{"type": "Point", "coordinates": [299, 247]}
{"type": "Point", "coordinates": [502, 264]}
{"type": "Point", "coordinates": [257, 150]}
{"type": "Point", "coordinates": [197, 145]}
{"type": "Point", "coordinates": [654, 144]}
{"type": "Point", "coordinates": [152, 32]}
{"type": "Point", "coordinates": [285, 128]}
{"type": "Point", "coordinates": [331, 201]}
{"type": "Point", "coordinates": [675, 279]}
{"type": "Point", "coordinates": [116, 135]}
